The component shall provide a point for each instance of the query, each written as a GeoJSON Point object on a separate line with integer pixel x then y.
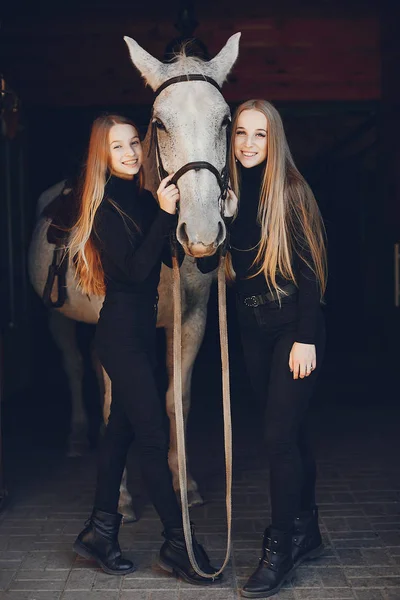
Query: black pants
{"type": "Point", "coordinates": [268, 333]}
{"type": "Point", "coordinates": [125, 342]}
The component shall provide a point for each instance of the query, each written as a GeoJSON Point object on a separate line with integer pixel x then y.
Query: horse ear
{"type": "Point", "coordinates": [151, 69]}
{"type": "Point", "coordinates": [220, 66]}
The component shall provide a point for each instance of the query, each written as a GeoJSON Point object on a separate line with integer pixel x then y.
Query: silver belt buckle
{"type": "Point", "coordinates": [251, 301]}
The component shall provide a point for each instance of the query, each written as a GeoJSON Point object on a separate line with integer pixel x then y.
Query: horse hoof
{"type": "Point", "coordinates": [73, 454]}
{"type": "Point", "coordinates": [76, 449]}
{"type": "Point", "coordinates": [128, 514]}
{"type": "Point", "coordinates": [194, 499]}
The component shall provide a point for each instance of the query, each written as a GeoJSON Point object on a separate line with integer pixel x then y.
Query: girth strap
{"type": "Point", "coordinates": [57, 270]}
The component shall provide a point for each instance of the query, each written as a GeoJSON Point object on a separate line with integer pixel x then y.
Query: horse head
{"type": "Point", "coordinates": [189, 132]}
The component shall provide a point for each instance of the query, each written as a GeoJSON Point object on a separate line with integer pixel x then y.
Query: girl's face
{"type": "Point", "coordinates": [126, 154]}
{"type": "Point", "coordinates": [250, 138]}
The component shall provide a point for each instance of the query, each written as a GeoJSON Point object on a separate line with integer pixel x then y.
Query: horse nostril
{"type": "Point", "coordinates": [221, 234]}
{"type": "Point", "coordinates": [182, 235]}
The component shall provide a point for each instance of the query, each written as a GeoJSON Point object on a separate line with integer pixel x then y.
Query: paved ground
{"type": "Point", "coordinates": [358, 494]}
{"type": "Point", "coordinates": [357, 441]}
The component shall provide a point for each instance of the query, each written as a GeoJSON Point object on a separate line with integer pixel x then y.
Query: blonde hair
{"type": "Point", "coordinates": [82, 247]}
{"type": "Point", "coordinates": [288, 212]}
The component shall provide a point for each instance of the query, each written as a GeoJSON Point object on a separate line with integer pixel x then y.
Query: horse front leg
{"type": "Point", "coordinates": [63, 331]}
{"type": "Point", "coordinates": [125, 506]}
{"type": "Point", "coordinates": [192, 336]}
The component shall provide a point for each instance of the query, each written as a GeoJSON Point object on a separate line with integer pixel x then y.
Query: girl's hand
{"type": "Point", "coordinates": [231, 203]}
{"type": "Point", "coordinates": [168, 195]}
{"type": "Point", "coordinates": [302, 360]}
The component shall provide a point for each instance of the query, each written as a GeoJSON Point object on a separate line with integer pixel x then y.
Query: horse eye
{"type": "Point", "coordinates": [159, 124]}
{"type": "Point", "coordinates": [226, 122]}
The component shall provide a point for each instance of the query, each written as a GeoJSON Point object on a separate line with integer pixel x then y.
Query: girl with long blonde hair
{"type": "Point", "coordinates": [277, 260]}
{"type": "Point", "coordinates": [116, 248]}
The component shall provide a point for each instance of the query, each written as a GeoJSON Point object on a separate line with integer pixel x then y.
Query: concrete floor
{"type": "Point", "coordinates": [358, 494]}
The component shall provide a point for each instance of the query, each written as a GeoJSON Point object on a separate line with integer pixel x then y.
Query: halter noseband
{"type": "Point", "coordinates": [223, 177]}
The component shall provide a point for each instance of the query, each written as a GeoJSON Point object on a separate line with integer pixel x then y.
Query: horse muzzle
{"type": "Point", "coordinates": [197, 245]}
{"type": "Point", "coordinates": [200, 251]}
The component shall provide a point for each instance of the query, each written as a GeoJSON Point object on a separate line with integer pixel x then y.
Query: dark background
{"type": "Point", "coordinates": [330, 67]}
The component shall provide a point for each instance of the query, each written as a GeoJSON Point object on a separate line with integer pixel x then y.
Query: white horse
{"type": "Point", "coordinates": [191, 119]}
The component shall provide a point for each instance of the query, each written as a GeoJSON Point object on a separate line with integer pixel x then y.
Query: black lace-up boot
{"type": "Point", "coordinates": [99, 541]}
{"type": "Point", "coordinates": [276, 566]}
{"type": "Point", "coordinates": [307, 542]}
{"type": "Point", "coordinates": [174, 558]}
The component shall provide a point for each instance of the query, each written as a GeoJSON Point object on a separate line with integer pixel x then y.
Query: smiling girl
{"type": "Point", "coordinates": [277, 257]}
{"type": "Point", "coordinates": [116, 246]}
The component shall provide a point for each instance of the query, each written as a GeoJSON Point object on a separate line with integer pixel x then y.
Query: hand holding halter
{"type": "Point", "coordinates": [168, 195]}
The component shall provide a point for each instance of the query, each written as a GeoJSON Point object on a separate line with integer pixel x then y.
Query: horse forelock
{"type": "Point", "coordinates": [186, 65]}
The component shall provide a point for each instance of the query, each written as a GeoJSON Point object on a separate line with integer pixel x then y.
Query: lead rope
{"type": "Point", "coordinates": [180, 430]}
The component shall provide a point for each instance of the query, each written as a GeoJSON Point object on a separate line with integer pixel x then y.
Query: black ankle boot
{"type": "Point", "coordinates": [174, 558]}
{"type": "Point", "coordinates": [276, 566]}
{"type": "Point", "coordinates": [307, 542]}
{"type": "Point", "coordinates": [99, 541]}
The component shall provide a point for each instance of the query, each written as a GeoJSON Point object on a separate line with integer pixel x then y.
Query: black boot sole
{"type": "Point", "coordinates": [83, 551]}
{"type": "Point", "coordinates": [179, 573]}
{"type": "Point", "coordinates": [249, 594]}
{"type": "Point", "coordinates": [311, 555]}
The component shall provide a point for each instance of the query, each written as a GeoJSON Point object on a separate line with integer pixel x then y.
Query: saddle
{"type": "Point", "coordinates": [63, 213]}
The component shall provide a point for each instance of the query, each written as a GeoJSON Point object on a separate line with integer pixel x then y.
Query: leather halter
{"type": "Point", "coordinates": [223, 177]}
{"type": "Point", "coordinates": [183, 78]}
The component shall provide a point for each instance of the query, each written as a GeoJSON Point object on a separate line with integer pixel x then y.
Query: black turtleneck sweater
{"type": "Point", "coordinates": [245, 235]}
{"type": "Point", "coordinates": [131, 243]}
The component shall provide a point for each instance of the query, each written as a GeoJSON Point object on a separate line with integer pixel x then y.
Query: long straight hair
{"type": "Point", "coordinates": [288, 212]}
{"type": "Point", "coordinates": [83, 249]}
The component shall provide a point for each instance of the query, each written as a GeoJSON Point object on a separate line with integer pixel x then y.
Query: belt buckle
{"type": "Point", "coordinates": [251, 301]}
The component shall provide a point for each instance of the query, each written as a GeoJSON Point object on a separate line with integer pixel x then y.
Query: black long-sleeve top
{"type": "Point", "coordinates": [131, 237]}
{"type": "Point", "coordinates": [245, 236]}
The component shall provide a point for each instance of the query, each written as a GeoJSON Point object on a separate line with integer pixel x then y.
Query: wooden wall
{"type": "Point", "coordinates": [85, 62]}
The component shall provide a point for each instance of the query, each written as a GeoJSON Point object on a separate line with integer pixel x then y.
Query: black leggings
{"type": "Point", "coordinates": [125, 342]}
{"type": "Point", "coordinates": [268, 333]}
